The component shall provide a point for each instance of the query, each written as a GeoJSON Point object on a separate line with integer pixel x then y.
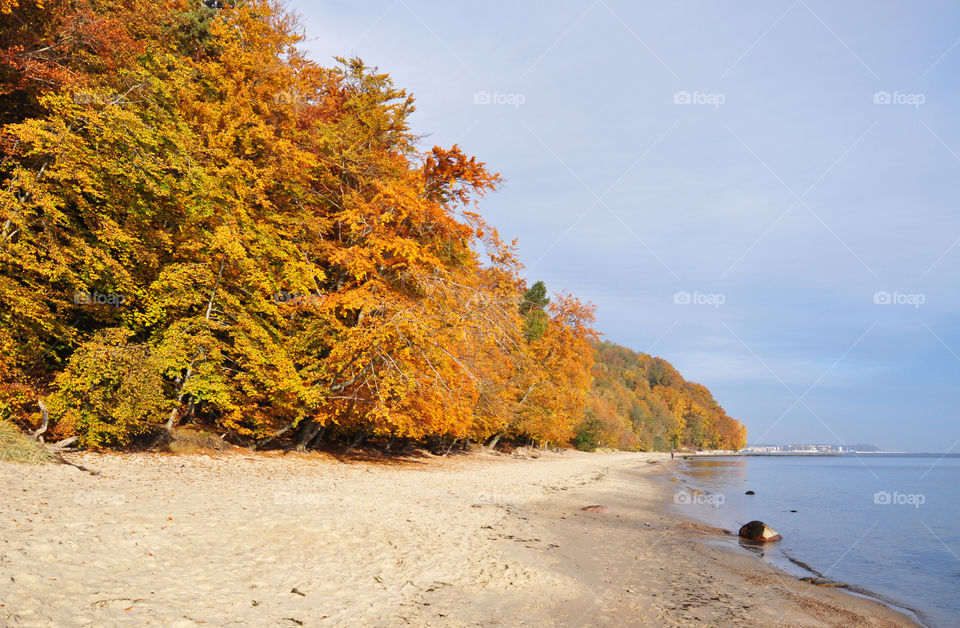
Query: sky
{"type": "Point", "coordinates": [765, 194]}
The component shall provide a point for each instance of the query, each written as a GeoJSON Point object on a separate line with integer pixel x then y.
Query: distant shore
{"type": "Point", "coordinates": [787, 454]}
{"type": "Point", "coordinates": [287, 540]}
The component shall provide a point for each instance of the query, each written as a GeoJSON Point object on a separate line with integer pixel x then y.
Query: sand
{"type": "Point", "coordinates": [239, 539]}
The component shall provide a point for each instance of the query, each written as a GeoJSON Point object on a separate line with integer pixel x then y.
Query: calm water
{"type": "Point", "coordinates": [887, 524]}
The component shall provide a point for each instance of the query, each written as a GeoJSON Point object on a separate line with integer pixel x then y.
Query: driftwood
{"type": "Point", "coordinates": [38, 434]}
{"type": "Point", "coordinates": [63, 445]}
{"type": "Point", "coordinates": [59, 458]}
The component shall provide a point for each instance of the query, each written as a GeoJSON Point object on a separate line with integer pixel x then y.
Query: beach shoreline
{"type": "Point", "coordinates": [682, 576]}
{"type": "Point", "coordinates": [788, 563]}
{"type": "Point", "coordinates": [468, 540]}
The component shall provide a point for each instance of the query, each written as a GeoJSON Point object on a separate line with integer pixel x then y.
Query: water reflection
{"type": "Point", "coordinates": [713, 471]}
{"type": "Point", "coordinates": [760, 549]}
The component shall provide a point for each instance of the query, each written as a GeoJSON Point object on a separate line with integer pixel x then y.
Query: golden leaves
{"type": "Point", "coordinates": [286, 249]}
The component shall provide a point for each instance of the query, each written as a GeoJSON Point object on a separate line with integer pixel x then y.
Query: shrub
{"type": "Point", "coordinates": [588, 435]}
{"type": "Point", "coordinates": [111, 392]}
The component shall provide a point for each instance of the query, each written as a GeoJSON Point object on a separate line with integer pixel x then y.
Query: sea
{"type": "Point", "coordinates": [887, 525]}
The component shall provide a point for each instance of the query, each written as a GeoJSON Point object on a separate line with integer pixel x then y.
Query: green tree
{"type": "Point", "coordinates": [533, 309]}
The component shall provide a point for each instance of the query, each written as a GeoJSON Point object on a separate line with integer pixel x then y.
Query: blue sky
{"type": "Point", "coordinates": [764, 194]}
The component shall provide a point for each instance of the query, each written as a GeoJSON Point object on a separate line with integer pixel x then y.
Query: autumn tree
{"type": "Point", "coordinates": [201, 226]}
{"type": "Point", "coordinates": [664, 410]}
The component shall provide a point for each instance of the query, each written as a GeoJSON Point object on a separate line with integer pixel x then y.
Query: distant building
{"type": "Point", "coordinates": [760, 449]}
{"type": "Point", "coordinates": [808, 448]}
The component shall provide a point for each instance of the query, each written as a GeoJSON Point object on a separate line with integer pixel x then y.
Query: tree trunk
{"type": "Point", "coordinates": [315, 441]}
{"type": "Point", "coordinates": [495, 440]}
{"type": "Point", "coordinates": [358, 439]}
{"type": "Point", "coordinates": [174, 417]}
{"type": "Point", "coordinates": [307, 431]}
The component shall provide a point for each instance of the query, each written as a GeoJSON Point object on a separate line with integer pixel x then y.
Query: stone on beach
{"type": "Point", "coordinates": [523, 452]}
{"type": "Point", "coordinates": [760, 532]}
{"type": "Point", "coordinates": [597, 508]}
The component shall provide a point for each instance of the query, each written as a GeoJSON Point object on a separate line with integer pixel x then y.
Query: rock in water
{"type": "Point", "coordinates": [749, 493]}
{"type": "Point", "coordinates": [760, 532]}
{"type": "Point", "coordinates": [598, 508]}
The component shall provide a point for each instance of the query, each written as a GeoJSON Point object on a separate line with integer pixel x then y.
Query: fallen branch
{"type": "Point", "coordinates": [59, 458]}
{"type": "Point", "coordinates": [257, 444]}
{"type": "Point", "coordinates": [63, 445]}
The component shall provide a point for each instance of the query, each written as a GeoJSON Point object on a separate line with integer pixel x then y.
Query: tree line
{"type": "Point", "coordinates": [200, 226]}
{"type": "Point", "coordinates": [642, 402]}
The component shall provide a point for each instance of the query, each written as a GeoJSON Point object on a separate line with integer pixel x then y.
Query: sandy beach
{"type": "Point", "coordinates": [288, 540]}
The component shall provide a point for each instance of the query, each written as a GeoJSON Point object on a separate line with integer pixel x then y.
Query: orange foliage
{"type": "Point", "coordinates": [274, 243]}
